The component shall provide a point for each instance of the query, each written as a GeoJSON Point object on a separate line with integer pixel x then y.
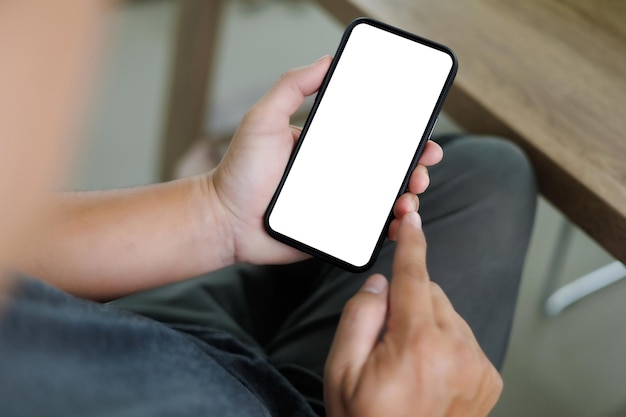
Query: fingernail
{"type": "Point", "coordinates": [414, 219]}
{"type": "Point", "coordinates": [321, 59]}
{"type": "Point", "coordinates": [375, 284]}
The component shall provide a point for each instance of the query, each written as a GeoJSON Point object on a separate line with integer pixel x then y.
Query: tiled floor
{"type": "Point", "coordinates": [569, 366]}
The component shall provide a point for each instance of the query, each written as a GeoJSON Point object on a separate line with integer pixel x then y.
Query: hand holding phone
{"type": "Point", "coordinates": [369, 124]}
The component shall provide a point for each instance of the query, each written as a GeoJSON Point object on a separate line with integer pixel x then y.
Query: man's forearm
{"type": "Point", "coordinates": [107, 244]}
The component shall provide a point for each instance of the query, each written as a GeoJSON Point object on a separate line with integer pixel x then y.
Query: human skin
{"type": "Point", "coordinates": [103, 245]}
{"type": "Point", "coordinates": [106, 244]}
{"type": "Point", "coordinates": [426, 363]}
{"type": "Point", "coordinates": [47, 50]}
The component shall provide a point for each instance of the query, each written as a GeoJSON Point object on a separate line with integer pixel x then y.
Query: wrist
{"type": "Point", "coordinates": [212, 222]}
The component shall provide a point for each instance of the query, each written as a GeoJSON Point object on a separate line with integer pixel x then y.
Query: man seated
{"type": "Point", "coordinates": [263, 330]}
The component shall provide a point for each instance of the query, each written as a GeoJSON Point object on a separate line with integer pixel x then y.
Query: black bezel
{"type": "Point", "coordinates": [429, 127]}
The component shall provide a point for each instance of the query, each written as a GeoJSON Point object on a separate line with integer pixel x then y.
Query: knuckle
{"type": "Point", "coordinates": [287, 74]}
{"type": "Point", "coordinates": [436, 289]}
{"type": "Point", "coordinates": [455, 362]}
{"type": "Point", "coordinates": [254, 114]}
{"type": "Point", "coordinates": [413, 268]}
{"type": "Point", "coordinates": [425, 338]}
{"type": "Point", "coordinates": [497, 382]}
{"type": "Point", "coordinates": [464, 355]}
{"type": "Point", "coordinates": [466, 362]}
{"type": "Point", "coordinates": [426, 344]}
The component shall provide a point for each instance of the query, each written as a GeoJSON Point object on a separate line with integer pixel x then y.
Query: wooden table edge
{"type": "Point", "coordinates": [583, 207]}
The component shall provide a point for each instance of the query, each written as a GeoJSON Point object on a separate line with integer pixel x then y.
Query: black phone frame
{"type": "Point", "coordinates": [424, 139]}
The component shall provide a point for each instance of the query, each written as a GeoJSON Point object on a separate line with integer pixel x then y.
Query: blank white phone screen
{"type": "Point", "coordinates": [359, 146]}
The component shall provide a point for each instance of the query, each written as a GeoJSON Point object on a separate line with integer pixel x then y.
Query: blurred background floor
{"type": "Point", "coordinates": [570, 366]}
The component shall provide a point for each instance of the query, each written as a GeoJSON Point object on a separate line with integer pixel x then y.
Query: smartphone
{"type": "Point", "coordinates": [367, 128]}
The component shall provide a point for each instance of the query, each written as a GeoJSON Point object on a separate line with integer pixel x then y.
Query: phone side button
{"type": "Point", "coordinates": [432, 129]}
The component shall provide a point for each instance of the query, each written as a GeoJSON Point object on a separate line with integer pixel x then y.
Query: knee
{"type": "Point", "coordinates": [500, 169]}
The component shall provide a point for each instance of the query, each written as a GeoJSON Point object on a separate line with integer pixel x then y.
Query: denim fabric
{"type": "Point", "coordinates": [61, 356]}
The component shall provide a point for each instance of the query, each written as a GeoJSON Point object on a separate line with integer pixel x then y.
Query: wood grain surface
{"type": "Point", "coordinates": [549, 75]}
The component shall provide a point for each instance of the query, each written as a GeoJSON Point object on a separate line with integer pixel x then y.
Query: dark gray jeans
{"type": "Point", "coordinates": [477, 214]}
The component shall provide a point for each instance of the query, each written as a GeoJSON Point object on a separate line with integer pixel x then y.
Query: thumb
{"type": "Point", "coordinates": [289, 92]}
{"type": "Point", "coordinates": [358, 331]}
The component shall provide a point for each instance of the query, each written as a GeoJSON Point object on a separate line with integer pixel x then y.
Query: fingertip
{"type": "Point", "coordinates": [438, 149]}
{"type": "Point", "coordinates": [289, 92]}
{"type": "Point", "coordinates": [432, 155]}
{"type": "Point", "coordinates": [322, 64]}
{"type": "Point", "coordinates": [405, 203]}
{"type": "Point", "coordinates": [414, 219]}
{"type": "Point", "coordinates": [323, 58]}
{"type": "Point", "coordinates": [375, 284]}
{"type": "Point", "coordinates": [420, 180]}
{"type": "Point", "coordinates": [358, 331]}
